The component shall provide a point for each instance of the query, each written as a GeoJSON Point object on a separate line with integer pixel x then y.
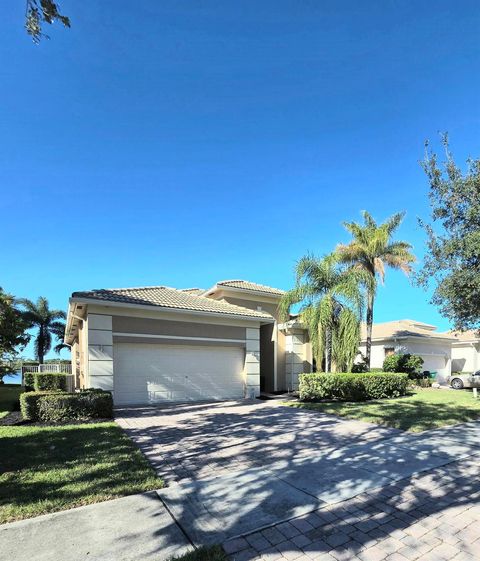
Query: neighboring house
{"type": "Point", "coordinates": [156, 344]}
{"type": "Point", "coordinates": [465, 351]}
{"type": "Point", "coordinates": [442, 353]}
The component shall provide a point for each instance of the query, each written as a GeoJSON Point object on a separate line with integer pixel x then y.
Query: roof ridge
{"type": "Point", "coordinates": [135, 288]}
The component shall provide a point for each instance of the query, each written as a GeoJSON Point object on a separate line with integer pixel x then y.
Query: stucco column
{"type": "Point", "coordinates": [252, 362]}
{"type": "Point", "coordinates": [295, 356]}
{"type": "Point", "coordinates": [100, 352]}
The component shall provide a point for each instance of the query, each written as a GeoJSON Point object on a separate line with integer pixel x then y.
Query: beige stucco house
{"type": "Point", "coordinates": [442, 353]}
{"type": "Point", "coordinates": [157, 344]}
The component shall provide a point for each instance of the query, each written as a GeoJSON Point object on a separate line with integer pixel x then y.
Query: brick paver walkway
{"type": "Point", "coordinates": [433, 516]}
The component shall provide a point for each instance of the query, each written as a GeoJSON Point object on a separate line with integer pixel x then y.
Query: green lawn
{"type": "Point", "coordinates": [46, 469]}
{"type": "Point", "coordinates": [206, 553]}
{"type": "Point", "coordinates": [9, 398]}
{"type": "Point", "coordinates": [422, 410]}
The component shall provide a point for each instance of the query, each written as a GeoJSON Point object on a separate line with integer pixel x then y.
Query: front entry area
{"type": "Point", "coordinates": [156, 373]}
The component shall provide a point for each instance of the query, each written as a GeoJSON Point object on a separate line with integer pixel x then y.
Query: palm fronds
{"type": "Point", "coordinates": [331, 305]}
{"type": "Point", "coordinates": [47, 323]}
{"type": "Point", "coordinates": [370, 251]}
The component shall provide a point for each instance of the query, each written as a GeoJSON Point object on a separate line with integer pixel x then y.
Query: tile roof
{"type": "Point", "coordinates": [164, 297]}
{"type": "Point", "coordinates": [469, 335]}
{"type": "Point", "coordinates": [404, 328]}
{"type": "Point", "coordinates": [246, 285]}
{"type": "Point", "coordinates": [196, 291]}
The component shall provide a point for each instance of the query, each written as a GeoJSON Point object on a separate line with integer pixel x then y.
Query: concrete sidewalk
{"type": "Point", "coordinates": [128, 529]}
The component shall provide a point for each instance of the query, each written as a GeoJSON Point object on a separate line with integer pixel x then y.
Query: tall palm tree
{"type": "Point", "coordinates": [331, 304]}
{"type": "Point", "coordinates": [39, 315]}
{"type": "Point", "coordinates": [372, 250]}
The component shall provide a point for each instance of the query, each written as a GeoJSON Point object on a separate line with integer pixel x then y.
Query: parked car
{"type": "Point", "coordinates": [460, 381]}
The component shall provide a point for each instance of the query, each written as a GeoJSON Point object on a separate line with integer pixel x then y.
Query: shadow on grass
{"type": "Point", "coordinates": [408, 413]}
{"type": "Point", "coordinates": [43, 469]}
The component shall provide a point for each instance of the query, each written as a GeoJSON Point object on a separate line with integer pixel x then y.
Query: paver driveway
{"type": "Point", "coordinates": [191, 442]}
{"type": "Point", "coordinates": [244, 469]}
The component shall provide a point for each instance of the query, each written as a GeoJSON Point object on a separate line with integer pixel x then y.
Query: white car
{"type": "Point", "coordinates": [460, 381]}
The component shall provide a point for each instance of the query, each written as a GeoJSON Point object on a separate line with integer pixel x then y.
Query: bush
{"type": "Point", "coordinates": [360, 367]}
{"type": "Point", "coordinates": [407, 363]}
{"type": "Point", "coordinates": [55, 406]}
{"type": "Point", "coordinates": [421, 382]}
{"type": "Point", "coordinates": [29, 381]}
{"type": "Point", "coordinates": [45, 381]}
{"type": "Point", "coordinates": [29, 402]}
{"type": "Point", "coordinates": [352, 387]}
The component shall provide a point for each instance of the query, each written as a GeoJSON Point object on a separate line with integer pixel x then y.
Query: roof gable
{"type": "Point", "coordinates": [251, 286]}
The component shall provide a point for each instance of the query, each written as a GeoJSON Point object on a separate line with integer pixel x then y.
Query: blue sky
{"type": "Point", "coordinates": [181, 143]}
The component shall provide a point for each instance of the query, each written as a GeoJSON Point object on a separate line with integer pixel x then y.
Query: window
{"type": "Point", "coordinates": [389, 351]}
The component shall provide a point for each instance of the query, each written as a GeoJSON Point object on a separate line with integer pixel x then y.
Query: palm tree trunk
{"type": "Point", "coordinates": [41, 345]}
{"type": "Point", "coordinates": [370, 302]}
{"type": "Point", "coordinates": [328, 350]}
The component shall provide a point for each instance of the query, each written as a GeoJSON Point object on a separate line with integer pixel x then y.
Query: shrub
{"type": "Point", "coordinates": [360, 367]}
{"type": "Point", "coordinates": [352, 387]}
{"type": "Point", "coordinates": [29, 402]}
{"type": "Point", "coordinates": [421, 382]}
{"type": "Point", "coordinates": [44, 381]}
{"type": "Point", "coordinates": [55, 406]}
{"type": "Point", "coordinates": [29, 380]}
{"type": "Point", "coordinates": [407, 363]}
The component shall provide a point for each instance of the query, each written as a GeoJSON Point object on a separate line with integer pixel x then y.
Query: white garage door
{"type": "Point", "coordinates": [149, 373]}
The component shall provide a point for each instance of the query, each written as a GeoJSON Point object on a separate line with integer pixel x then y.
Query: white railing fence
{"type": "Point", "coordinates": [54, 368]}
{"type": "Point", "coordinates": [60, 368]}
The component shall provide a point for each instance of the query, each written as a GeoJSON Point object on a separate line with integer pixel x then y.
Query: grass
{"type": "Point", "coordinates": [206, 553]}
{"type": "Point", "coordinates": [50, 468]}
{"type": "Point", "coordinates": [9, 394]}
{"type": "Point", "coordinates": [423, 409]}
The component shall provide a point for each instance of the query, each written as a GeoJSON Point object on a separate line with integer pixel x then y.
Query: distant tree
{"type": "Point", "coordinates": [371, 251]}
{"type": "Point", "coordinates": [13, 336]}
{"type": "Point", "coordinates": [330, 301]}
{"type": "Point", "coordinates": [39, 315]}
{"type": "Point", "coordinates": [452, 261]}
{"type": "Point", "coordinates": [39, 12]}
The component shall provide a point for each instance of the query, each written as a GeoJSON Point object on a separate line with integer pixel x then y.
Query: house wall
{"type": "Point", "coordinates": [297, 348]}
{"type": "Point", "coordinates": [465, 357]}
{"type": "Point", "coordinates": [126, 324]}
{"type": "Point", "coordinates": [272, 362]}
{"type": "Point", "coordinates": [79, 357]}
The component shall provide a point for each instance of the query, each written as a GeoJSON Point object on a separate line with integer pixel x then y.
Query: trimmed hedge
{"type": "Point", "coordinates": [29, 402]}
{"type": "Point", "coordinates": [61, 406]}
{"type": "Point", "coordinates": [29, 381]}
{"type": "Point", "coordinates": [44, 381]}
{"type": "Point", "coordinates": [352, 387]}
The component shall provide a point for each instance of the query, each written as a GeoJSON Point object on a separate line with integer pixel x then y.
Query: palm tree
{"type": "Point", "coordinates": [371, 251]}
{"type": "Point", "coordinates": [331, 308]}
{"type": "Point", "coordinates": [40, 315]}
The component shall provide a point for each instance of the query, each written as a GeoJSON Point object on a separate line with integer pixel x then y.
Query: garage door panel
{"type": "Point", "coordinates": [146, 373]}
